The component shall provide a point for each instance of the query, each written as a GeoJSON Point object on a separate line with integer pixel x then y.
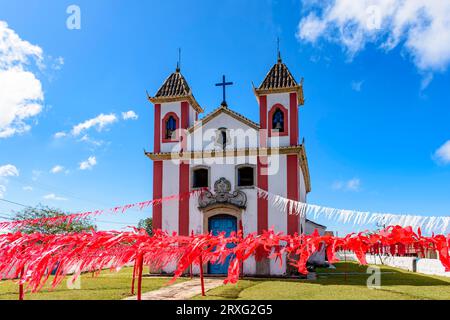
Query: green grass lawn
{"type": "Point", "coordinates": [107, 286]}
{"type": "Point", "coordinates": [330, 284]}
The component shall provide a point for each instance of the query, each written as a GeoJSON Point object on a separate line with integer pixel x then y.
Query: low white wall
{"type": "Point", "coordinates": [431, 266]}
{"type": "Point", "coordinates": [406, 263]}
{"type": "Point", "coordinates": [425, 266]}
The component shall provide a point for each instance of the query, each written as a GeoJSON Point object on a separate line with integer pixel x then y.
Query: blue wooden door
{"type": "Point", "coordinates": [218, 224]}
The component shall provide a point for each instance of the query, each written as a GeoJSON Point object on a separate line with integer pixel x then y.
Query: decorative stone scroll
{"type": "Point", "coordinates": [222, 195]}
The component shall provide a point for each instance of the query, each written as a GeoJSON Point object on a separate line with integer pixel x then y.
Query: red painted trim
{"type": "Point", "coordinates": [263, 121]}
{"type": "Point", "coordinates": [183, 204]}
{"type": "Point", "coordinates": [157, 193]}
{"type": "Point", "coordinates": [293, 108]}
{"type": "Point", "coordinates": [292, 178]}
{"type": "Point", "coordinates": [184, 124]}
{"type": "Point", "coordinates": [275, 133]}
{"type": "Point", "coordinates": [263, 207]}
{"type": "Point", "coordinates": [157, 132]}
{"type": "Point", "coordinates": [164, 124]}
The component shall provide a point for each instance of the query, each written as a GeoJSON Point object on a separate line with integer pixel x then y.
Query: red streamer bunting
{"type": "Point", "coordinates": [32, 258]}
{"type": "Point", "coordinates": [69, 218]}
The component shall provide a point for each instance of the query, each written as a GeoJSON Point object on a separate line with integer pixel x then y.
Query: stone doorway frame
{"type": "Point", "coordinates": [221, 209]}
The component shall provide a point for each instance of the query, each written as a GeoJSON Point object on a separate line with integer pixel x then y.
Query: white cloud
{"type": "Point", "coordinates": [21, 94]}
{"type": "Point", "coordinates": [350, 185]}
{"type": "Point", "coordinates": [9, 171]}
{"type": "Point", "coordinates": [59, 135]}
{"type": "Point", "coordinates": [2, 191]}
{"type": "Point", "coordinates": [58, 63]}
{"type": "Point", "coordinates": [87, 139]}
{"type": "Point", "coordinates": [57, 169]}
{"type": "Point", "coordinates": [357, 85]}
{"type": "Point", "coordinates": [99, 123]}
{"type": "Point", "coordinates": [442, 155]}
{"type": "Point", "coordinates": [421, 27]}
{"type": "Point", "coordinates": [129, 115]}
{"type": "Point", "coordinates": [27, 188]}
{"type": "Point", "coordinates": [35, 175]}
{"type": "Point", "coordinates": [54, 197]}
{"type": "Point", "coordinates": [88, 164]}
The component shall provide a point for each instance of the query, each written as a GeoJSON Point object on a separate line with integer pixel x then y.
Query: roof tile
{"type": "Point", "coordinates": [174, 86]}
{"type": "Point", "coordinates": [278, 77]}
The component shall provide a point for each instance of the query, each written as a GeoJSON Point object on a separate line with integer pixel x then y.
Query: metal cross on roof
{"type": "Point", "coordinates": [224, 84]}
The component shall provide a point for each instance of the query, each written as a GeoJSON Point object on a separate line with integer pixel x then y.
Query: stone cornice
{"type": "Point", "coordinates": [190, 98]}
{"type": "Point", "coordinates": [244, 152]}
{"type": "Point", "coordinates": [298, 89]}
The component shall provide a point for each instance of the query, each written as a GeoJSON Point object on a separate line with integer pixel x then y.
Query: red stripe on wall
{"type": "Point", "coordinates": [157, 132]}
{"type": "Point", "coordinates": [157, 193]}
{"type": "Point", "coordinates": [263, 183]}
{"type": "Point", "coordinates": [184, 123]}
{"type": "Point", "coordinates": [263, 121]}
{"type": "Point", "coordinates": [292, 178]}
{"type": "Point", "coordinates": [183, 204]}
{"type": "Point", "coordinates": [293, 111]}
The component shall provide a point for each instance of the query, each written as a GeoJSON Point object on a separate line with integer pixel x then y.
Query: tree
{"type": "Point", "coordinates": [40, 212]}
{"type": "Point", "coordinates": [146, 224]}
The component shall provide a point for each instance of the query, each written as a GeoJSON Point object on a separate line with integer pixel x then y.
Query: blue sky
{"type": "Point", "coordinates": [376, 117]}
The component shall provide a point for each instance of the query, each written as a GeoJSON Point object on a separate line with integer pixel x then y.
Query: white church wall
{"type": "Point", "coordinates": [302, 197]}
{"type": "Point", "coordinates": [278, 219]}
{"type": "Point", "coordinates": [241, 135]}
{"type": "Point", "coordinates": [170, 186]}
{"type": "Point", "coordinates": [192, 114]}
{"type": "Point", "coordinates": [250, 216]}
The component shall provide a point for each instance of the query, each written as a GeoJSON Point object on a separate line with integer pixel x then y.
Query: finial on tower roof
{"type": "Point", "coordinates": [278, 50]}
{"type": "Point", "coordinates": [179, 60]}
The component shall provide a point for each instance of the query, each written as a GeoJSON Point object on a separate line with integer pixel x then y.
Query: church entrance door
{"type": "Point", "coordinates": [218, 224]}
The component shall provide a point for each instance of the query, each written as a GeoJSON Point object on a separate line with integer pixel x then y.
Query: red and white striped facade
{"type": "Point", "coordinates": [278, 159]}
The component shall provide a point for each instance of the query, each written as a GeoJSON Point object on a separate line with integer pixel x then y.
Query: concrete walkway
{"type": "Point", "coordinates": [180, 291]}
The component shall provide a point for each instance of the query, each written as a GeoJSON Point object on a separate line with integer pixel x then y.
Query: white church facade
{"type": "Point", "coordinates": [231, 156]}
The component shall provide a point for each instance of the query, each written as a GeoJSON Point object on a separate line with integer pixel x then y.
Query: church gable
{"type": "Point", "coordinates": [223, 123]}
{"type": "Point", "coordinates": [222, 116]}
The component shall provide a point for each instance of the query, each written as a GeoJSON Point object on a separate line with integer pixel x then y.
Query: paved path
{"type": "Point", "coordinates": [180, 291]}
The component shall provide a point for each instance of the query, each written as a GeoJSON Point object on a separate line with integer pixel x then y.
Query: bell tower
{"type": "Point", "coordinates": [175, 111]}
{"type": "Point", "coordinates": [279, 97]}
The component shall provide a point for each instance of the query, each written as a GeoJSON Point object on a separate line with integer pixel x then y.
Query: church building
{"type": "Point", "coordinates": [231, 156]}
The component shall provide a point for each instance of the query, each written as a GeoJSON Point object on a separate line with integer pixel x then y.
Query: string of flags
{"type": "Point", "coordinates": [69, 218]}
{"type": "Point", "coordinates": [427, 223]}
{"type": "Point", "coordinates": [312, 211]}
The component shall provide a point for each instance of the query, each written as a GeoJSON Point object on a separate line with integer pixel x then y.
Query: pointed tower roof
{"type": "Point", "coordinates": [280, 80]}
{"type": "Point", "coordinates": [175, 88]}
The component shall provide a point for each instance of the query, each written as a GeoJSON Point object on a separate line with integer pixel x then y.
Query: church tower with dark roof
{"type": "Point", "coordinates": [279, 97]}
{"type": "Point", "coordinates": [175, 111]}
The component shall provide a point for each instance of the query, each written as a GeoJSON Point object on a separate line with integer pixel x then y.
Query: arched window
{"type": "Point", "coordinates": [278, 117]}
{"type": "Point", "coordinates": [170, 128]}
{"type": "Point", "coordinates": [200, 177]}
{"type": "Point", "coordinates": [245, 176]}
{"type": "Point", "coordinates": [222, 138]}
{"type": "Point", "coordinates": [278, 120]}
